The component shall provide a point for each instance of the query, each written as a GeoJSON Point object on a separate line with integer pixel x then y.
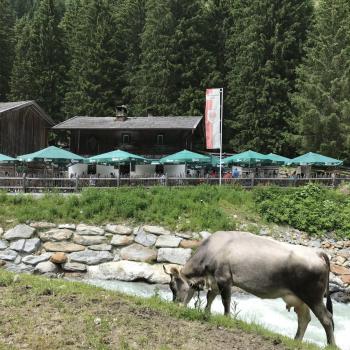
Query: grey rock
{"type": "Point", "coordinates": [120, 240]}
{"type": "Point", "coordinates": [106, 247]}
{"type": "Point", "coordinates": [56, 235]}
{"type": "Point", "coordinates": [88, 230]}
{"type": "Point", "coordinates": [8, 255]}
{"type": "Point", "coordinates": [88, 240]}
{"type": "Point", "coordinates": [91, 257]}
{"type": "Point", "coordinates": [17, 260]}
{"type": "Point", "coordinates": [174, 255]}
{"type": "Point", "coordinates": [42, 225]}
{"type": "Point", "coordinates": [31, 245]}
{"type": "Point", "coordinates": [36, 259]}
{"type": "Point", "coordinates": [17, 245]}
{"type": "Point", "coordinates": [315, 243]}
{"type": "Point", "coordinates": [119, 229]}
{"type": "Point", "coordinates": [74, 267]}
{"type": "Point", "coordinates": [168, 241]}
{"type": "Point", "coordinates": [67, 226]}
{"type": "Point", "coordinates": [45, 267]}
{"type": "Point", "coordinates": [145, 239]}
{"type": "Point", "coordinates": [18, 232]}
{"type": "Point", "coordinates": [204, 234]}
{"type": "Point", "coordinates": [186, 235]}
{"type": "Point", "coordinates": [129, 271]}
{"type": "Point", "coordinates": [3, 244]}
{"type": "Point", "coordinates": [116, 254]}
{"type": "Point", "coordinates": [65, 247]}
{"type": "Point", "coordinates": [20, 268]}
{"type": "Point", "coordinates": [345, 253]}
{"type": "Point", "coordinates": [157, 230]}
{"type": "Point", "coordinates": [137, 252]}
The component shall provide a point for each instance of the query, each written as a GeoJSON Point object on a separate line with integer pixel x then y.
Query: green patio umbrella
{"type": "Point", "coordinates": [316, 159]}
{"type": "Point", "coordinates": [6, 159]}
{"type": "Point", "coordinates": [247, 158]}
{"type": "Point", "coordinates": [277, 159]}
{"type": "Point", "coordinates": [51, 154]}
{"type": "Point", "coordinates": [185, 157]}
{"type": "Point", "coordinates": [117, 157]}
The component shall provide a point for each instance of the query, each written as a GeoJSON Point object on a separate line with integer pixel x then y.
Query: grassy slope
{"type": "Point", "coordinates": [37, 313]}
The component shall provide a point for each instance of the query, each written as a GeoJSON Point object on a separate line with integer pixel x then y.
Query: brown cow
{"type": "Point", "coordinates": [263, 267]}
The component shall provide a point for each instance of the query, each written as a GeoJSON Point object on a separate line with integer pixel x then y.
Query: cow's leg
{"type": "Point", "coordinates": [326, 319]}
{"type": "Point", "coordinates": [225, 292]}
{"type": "Point", "coordinates": [210, 298]}
{"type": "Point", "coordinates": [304, 318]}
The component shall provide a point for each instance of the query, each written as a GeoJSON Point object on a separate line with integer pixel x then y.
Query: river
{"type": "Point", "coordinates": [272, 314]}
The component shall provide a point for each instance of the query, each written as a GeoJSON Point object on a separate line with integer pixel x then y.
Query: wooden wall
{"type": "Point", "coordinates": [22, 131]}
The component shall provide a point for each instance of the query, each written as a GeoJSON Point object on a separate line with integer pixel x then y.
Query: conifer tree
{"type": "Point", "coordinates": [6, 45]}
{"type": "Point", "coordinates": [38, 70]}
{"type": "Point", "coordinates": [265, 47]}
{"type": "Point", "coordinates": [94, 77]}
{"type": "Point", "coordinates": [323, 97]}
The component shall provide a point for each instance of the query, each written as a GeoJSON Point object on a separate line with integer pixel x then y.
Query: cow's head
{"type": "Point", "coordinates": [182, 292]}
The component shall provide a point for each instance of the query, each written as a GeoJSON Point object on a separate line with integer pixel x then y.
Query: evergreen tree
{"type": "Point", "coordinates": [176, 64]}
{"type": "Point", "coordinates": [38, 70]}
{"type": "Point", "coordinates": [323, 97]}
{"type": "Point", "coordinates": [6, 45]}
{"type": "Point", "coordinates": [94, 86]}
{"type": "Point", "coordinates": [265, 47]}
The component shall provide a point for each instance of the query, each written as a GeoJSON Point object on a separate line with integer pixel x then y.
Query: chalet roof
{"type": "Point", "coordinates": [136, 123]}
{"type": "Point", "coordinates": [8, 106]}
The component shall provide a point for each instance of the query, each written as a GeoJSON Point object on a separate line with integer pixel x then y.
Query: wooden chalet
{"type": "Point", "coordinates": [24, 127]}
{"type": "Point", "coordinates": [150, 136]}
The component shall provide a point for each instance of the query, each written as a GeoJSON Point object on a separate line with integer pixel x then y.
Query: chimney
{"type": "Point", "coordinates": [121, 113]}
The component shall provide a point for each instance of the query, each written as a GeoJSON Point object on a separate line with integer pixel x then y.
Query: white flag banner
{"type": "Point", "coordinates": [212, 118]}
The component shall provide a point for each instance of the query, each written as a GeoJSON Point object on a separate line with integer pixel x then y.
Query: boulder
{"type": "Point", "coordinates": [66, 247]}
{"type": "Point", "coordinates": [345, 279]}
{"type": "Point", "coordinates": [88, 240]}
{"type": "Point", "coordinates": [74, 267]}
{"type": "Point", "coordinates": [204, 234]}
{"type": "Point", "coordinates": [129, 271]}
{"type": "Point", "coordinates": [18, 259]}
{"type": "Point", "coordinates": [91, 257]}
{"type": "Point", "coordinates": [19, 232]}
{"type": "Point", "coordinates": [119, 229]}
{"type": "Point", "coordinates": [8, 255]}
{"type": "Point", "coordinates": [58, 258]}
{"type": "Point", "coordinates": [145, 239]}
{"type": "Point", "coordinates": [45, 267]}
{"type": "Point", "coordinates": [119, 240]}
{"type": "Point", "coordinates": [40, 225]}
{"type": "Point", "coordinates": [3, 244]}
{"type": "Point", "coordinates": [17, 245]}
{"type": "Point", "coordinates": [106, 247]}
{"type": "Point", "coordinates": [186, 235]}
{"type": "Point", "coordinates": [185, 243]}
{"type": "Point", "coordinates": [338, 270]}
{"type": "Point", "coordinates": [87, 230]}
{"type": "Point", "coordinates": [36, 259]}
{"type": "Point", "coordinates": [56, 235]}
{"type": "Point", "coordinates": [67, 226]}
{"type": "Point", "coordinates": [168, 241]}
{"type": "Point", "coordinates": [157, 230]}
{"type": "Point", "coordinates": [31, 245]}
{"type": "Point", "coordinates": [19, 268]}
{"type": "Point", "coordinates": [137, 252]}
{"type": "Point", "coordinates": [174, 255]}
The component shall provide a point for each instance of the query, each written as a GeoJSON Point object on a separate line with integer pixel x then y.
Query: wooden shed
{"type": "Point", "coordinates": [24, 127]}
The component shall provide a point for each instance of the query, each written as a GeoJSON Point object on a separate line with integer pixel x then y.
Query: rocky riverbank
{"type": "Point", "coordinates": [132, 253]}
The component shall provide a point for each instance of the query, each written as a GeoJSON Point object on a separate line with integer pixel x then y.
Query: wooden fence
{"type": "Point", "coordinates": [38, 184]}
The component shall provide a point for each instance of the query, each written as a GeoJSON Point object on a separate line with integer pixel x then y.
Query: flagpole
{"type": "Point", "coordinates": [221, 122]}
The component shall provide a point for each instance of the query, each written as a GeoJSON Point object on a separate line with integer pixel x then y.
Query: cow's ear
{"type": "Point", "coordinates": [175, 271]}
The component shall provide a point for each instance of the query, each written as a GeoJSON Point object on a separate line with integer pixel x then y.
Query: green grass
{"type": "Point", "coordinates": [312, 209]}
{"type": "Point", "coordinates": [86, 294]}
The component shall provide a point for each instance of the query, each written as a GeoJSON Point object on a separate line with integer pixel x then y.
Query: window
{"type": "Point", "coordinates": [126, 139]}
{"type": "Point", "coordinates": [160, 139]}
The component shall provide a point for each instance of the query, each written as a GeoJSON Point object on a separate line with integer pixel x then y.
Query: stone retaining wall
{"type": "Point", "coordinates": [128, 253]}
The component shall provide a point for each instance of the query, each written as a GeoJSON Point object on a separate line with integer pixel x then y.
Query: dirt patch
{"type": "Point", "coordinates": [47, 319]}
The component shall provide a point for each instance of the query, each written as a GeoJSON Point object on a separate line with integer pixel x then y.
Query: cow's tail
{"type": "Point", "coordinates": [329, 303]}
